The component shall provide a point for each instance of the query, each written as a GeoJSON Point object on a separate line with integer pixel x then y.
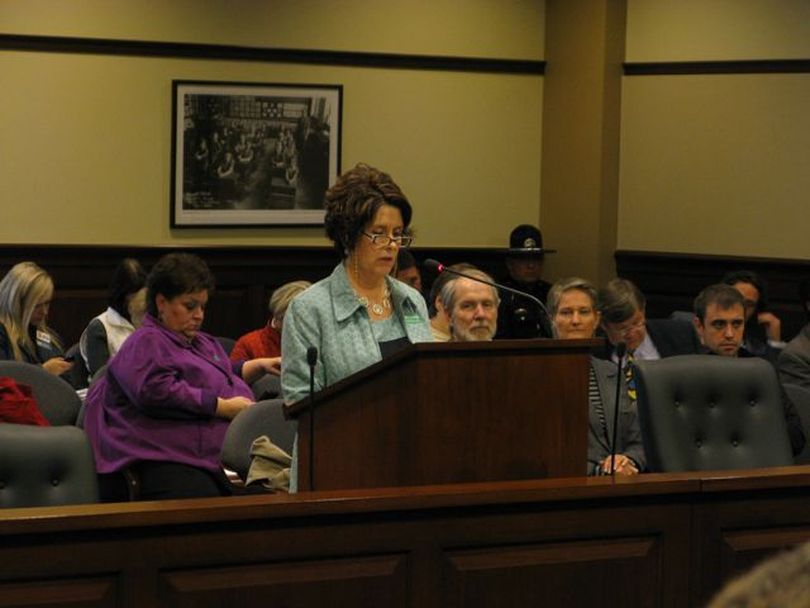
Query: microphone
{"type": "Point", "coordinates": [621, 350]}
{"type": "Point", "coordinates": [312, 359]}
{"type": "Point", "coordinates": [545, 318]}
{"type": "Point", "coordinates": [312, 356]}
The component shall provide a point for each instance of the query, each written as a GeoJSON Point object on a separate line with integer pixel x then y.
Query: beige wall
{"type": "Point", "coordinates": [581, 109]}
{"type": "Point", "coordinates": [87, 137]}
{"type": "Point", "coordinates": [701, 30]}
{"type": "Point", "coordinates": [716, 164]}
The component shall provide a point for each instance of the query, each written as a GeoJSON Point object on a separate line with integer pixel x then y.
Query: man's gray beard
{"type": "Point", "coordinates": [465, 335]}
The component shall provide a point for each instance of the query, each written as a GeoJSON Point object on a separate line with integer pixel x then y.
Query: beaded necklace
{"type": "Point", "coordinates": [377, 308]}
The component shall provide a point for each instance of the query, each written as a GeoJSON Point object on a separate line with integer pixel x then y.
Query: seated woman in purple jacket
{"type": "Point", "coordinates": [159, 415]}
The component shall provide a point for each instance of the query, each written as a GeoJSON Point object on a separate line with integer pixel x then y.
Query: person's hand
{"type": "Point", "coordinates": [229, 408]}
{"type": "Point", "coordinates": [272, 365]}
{"type": "Point", "coordinates": [772, 325]}
{"type": "Point", "coordinates": [254, 369]}
{"type": "Point", "coordinates": [624, 465]}
{"type": "Point", "coordinates": [57, 366]}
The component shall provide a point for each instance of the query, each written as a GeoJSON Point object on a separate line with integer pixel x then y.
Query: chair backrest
{"type": "Point", "coordinates": [227, 343]}
{"type": "Point", "coordinates": [707, 412]}
{"type": "Point", "coordinates": [262, 418]}
{"type": "Point", "coordinates": [267, 387]}
{"type": "Point", "coordinates": [57, 400]}
{"type": "Point", "coordinates": [45, 466]}
{"type": "Point", "coordinates": [800, 397]}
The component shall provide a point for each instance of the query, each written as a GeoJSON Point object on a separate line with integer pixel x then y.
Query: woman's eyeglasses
{"type": "Point", "coordinates": [383, 240]}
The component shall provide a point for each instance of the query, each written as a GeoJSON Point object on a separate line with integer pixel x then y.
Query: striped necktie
{"type": "Point", "coordinates": [629, 376]}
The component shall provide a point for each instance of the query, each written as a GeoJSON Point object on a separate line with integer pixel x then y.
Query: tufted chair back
{"type": "Point", "coordinates": [57, 400]}
{"type": "Point", "coordinates": [45, 465]}
{"type": "Point", "coordinates": [262, 418]}
{"type": "Point", "coordinates": [707, 412]}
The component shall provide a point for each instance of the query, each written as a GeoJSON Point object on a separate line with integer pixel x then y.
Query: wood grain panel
{"type": "Point", "coordinates": [371, 581]}
{"type": "Point", "coordinates": [247, 275]}
{"type": "Point", "coordinates": [561, 542]}
{"type": "Point", "coordinates": [606, 572]}
{"type": "Point", "coordinates": [60, 593]}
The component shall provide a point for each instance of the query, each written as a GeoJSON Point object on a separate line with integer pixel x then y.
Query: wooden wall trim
{"type": "Point", "coordinates": [680, 68]}
{"type": "Point", "coordinates": [670, 281]}
{"type": "Point", "coordinates": [665, 540]}
{"type": "Point", "coordinates": [247, 275]}
{"type": "Point", "coordinates": [142, 48]}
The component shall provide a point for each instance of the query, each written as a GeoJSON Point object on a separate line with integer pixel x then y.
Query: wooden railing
{"type": "Point", "coordinates": [657, 540]}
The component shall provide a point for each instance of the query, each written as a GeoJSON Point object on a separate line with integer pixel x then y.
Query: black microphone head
{"type": "Point", "coordinates": [432, 264]}
{"type": "Point", "coordinates": [621, 349]}
{"type": "Point", "coordinates": [312, 355]}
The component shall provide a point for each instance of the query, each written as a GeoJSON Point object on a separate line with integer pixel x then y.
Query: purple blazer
{"type": "Point", "coordinates": [158, 398]}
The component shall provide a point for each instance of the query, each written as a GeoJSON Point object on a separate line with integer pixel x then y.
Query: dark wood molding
{"type": "Point", "coordinates": [656, 540]}
{"type": "Point", "coordinates": [245, 276]}
{"type": "Point", "coordinates": [670, 281]}
{"type": "Point", "coordinates": [142, 48]}
{"type": "Point", "coordinates": [753, 66]}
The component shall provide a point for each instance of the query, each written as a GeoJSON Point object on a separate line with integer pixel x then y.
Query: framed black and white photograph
{"type": "Point", "coordinates": [247, 154]}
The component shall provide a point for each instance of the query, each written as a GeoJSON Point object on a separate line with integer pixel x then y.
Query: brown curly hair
{"type": "Point", "coordinates": [354, 199]}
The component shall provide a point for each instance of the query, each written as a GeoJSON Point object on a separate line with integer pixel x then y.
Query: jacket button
{"type": "Point", "coordinates": [698, 443]}
{"type": "Point", "coordinates": [54, 482]}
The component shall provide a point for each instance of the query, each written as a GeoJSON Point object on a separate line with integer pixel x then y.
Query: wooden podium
{"type": "Point", "coordinates": [451, 412]}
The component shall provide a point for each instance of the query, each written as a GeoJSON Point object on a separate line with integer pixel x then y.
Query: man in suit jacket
{"type": "Point", "coordinates": [622, 306]}
{"type": "Point", "coordinates": [794, 360]}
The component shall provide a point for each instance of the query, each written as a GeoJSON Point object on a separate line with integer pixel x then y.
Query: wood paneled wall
{"type": "Point", "coordinates": [671, 281]}
{"type": "Point", "coordinates": [246, 276]}
{"type": "Point", "coordinates": [657, 540]}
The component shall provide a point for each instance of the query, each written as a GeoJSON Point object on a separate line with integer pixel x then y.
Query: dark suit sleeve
{"type": "Point", "coordinates": [794, 424]}
{"type": "Point", "coordinates": [673, 337]}
{"type": "Point", "coordinates": [794, 369]}
{"type": "Point", "coordinates": [631, 443]}
{"type": "Point", "coordinates": [98, 352]}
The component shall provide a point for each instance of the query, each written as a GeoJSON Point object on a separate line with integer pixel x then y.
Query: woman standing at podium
{"type": "Point", "coordinates": [360, 313]}
{"type": "Point", "coordinates": [572, 306]}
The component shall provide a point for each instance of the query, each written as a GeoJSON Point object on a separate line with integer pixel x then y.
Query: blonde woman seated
{"type": "Point", "coordinates": [25, 298]}
{"type": "Point", "coordinates": [266, 342]}
{"type": "Point", "coordinates": [572, 305]}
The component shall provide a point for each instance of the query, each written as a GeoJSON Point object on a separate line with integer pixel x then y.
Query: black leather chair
{"type": "Point", "coordinates": [45, 466]}
{"type": "Point", "coordinates": [227, 343]}
{"type": "Point", "coordinates": [267, 387]}
{"type": "Point", "coordinates": [800, 397]}
{"type": "Point", "coordinates": [57, 400]}
{"type": "Point", "coordinates": [705, 412]}
{"type": "Point", "coordinates": [262, 418]}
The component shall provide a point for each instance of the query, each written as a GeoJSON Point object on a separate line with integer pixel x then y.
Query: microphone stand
{"type": "Point", "coordinates": [312, 359]}
{"type": "Point", "coordinates": [621, 349]}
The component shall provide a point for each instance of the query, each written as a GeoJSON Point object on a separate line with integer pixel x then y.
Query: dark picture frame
{"type": "Point", "coordinates": [250, 154]}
